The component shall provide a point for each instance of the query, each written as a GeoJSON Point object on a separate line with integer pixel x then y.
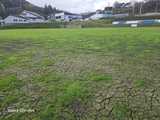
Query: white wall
{"type": "Point", "coordinates": [36, 21]}
{"type": "Point", "coordinates": [133, 22]}
{"type": "Point", "coordinates": [60, 16]}
{"type": "Point", "coordinates": [115, 23]}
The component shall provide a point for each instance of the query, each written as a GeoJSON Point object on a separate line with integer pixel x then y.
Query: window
{"type": "Point", "coordinates": [15, 20]}
{"type": "Point", "coordinates": [58, 17]}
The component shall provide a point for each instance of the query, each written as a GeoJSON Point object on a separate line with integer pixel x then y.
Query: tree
{"type": "Point", "coordinates": [2, 10]}
{"type": "Point", "coordinates": [117, 5]}
{"type": "Point", "coordinates": [151, 6]}
{"type": "Point", "coordinates": [48, 10]}
{"type": "Point", "coordinates": [141, 8]}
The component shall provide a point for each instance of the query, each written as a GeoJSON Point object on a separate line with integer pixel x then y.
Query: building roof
{"type": "Point", "coordinates": [108, 8]}
{"type": "Point", "coordinates": [17, 16]}
{"type": "Point", "coordinates": [38, 16]}
{"type": "Point", "coordinates": [88, 15]}
{"type": "Point", "coordinates": [68, 13]}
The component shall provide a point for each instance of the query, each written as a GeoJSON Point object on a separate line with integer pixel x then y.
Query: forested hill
{"type": "Point", "coordinates": [12, 7]}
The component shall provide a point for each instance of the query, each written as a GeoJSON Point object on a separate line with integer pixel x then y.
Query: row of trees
{"type": "Point", "coordinates": [48, 9]}
{"type": "Point", "coordinates": [145, 6]}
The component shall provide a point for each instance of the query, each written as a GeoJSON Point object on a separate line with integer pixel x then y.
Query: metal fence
{"type": "Point", "coordinates": [137, 22]}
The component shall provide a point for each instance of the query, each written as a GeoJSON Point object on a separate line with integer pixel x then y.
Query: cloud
{"type": "Point", "coordinates": [77, 6]}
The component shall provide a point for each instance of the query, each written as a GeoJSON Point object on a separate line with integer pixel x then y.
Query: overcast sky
{"type": "Point", "coordinates": [77, 6]}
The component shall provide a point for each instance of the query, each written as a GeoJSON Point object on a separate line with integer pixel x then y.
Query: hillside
{"type": "Point", "coordinates": [15, 6]}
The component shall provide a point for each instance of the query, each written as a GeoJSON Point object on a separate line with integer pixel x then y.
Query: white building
{"type": "Point", "coordinates": [24, 17]}
{"type": "Point", "coordinates": [66, 16]}
{"type": "Point", "coordinates": [15, 20]}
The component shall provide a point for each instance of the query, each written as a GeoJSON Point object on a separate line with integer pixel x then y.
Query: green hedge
{"type": "Point", "coordinates": [35, 25]}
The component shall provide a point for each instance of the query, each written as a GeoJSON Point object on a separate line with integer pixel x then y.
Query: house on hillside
{"type": "Point", "coordinates": [66, 16]}
{"type": "Point", "coordinates": [24, 18]}
{"type": "Point", "coordinates": [99, 14]}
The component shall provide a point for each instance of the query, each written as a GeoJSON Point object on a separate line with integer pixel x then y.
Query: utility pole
{"type": "Point", "coordinates": [157, 4]}
{"type": "Point", "coordinates": [54, 10]}
{"type": "Point", "coordinates": [133, 7]}
{"type": "Point", "coordinates": [141, 8]}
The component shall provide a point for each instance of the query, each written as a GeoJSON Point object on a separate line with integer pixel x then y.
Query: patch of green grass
{"type": "Point", "coordinates": [101, 77]}
{"type": "Point", "coordinates": [9, 81]}
{"type": "Point", "coordinates": [66, 92]}
{"type": "Point", "coordinates": [49, 77]}
{"type": "Point", "coordinates": [120, 111]}
{"type": "Point", "coordinates": [11, 98]}
{"type": "Point", "coordinates": [6, 61]}
{"type": "Point", "coordinates": [48, 113]}
{"type": "Point", "coordinates": [140, 83]}
{"type": "Point", "coordinates": [73, 91]}
{"type": "Point", "coordinates": [47, 62]}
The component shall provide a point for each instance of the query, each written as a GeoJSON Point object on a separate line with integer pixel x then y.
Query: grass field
{"type": "Point", "coordinates": [80, 74]}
